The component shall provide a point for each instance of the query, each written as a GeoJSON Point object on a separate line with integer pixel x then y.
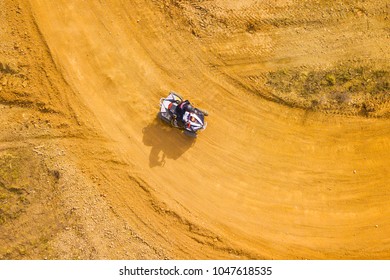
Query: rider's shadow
{"type": "Point", "coordinates": [166, 142]}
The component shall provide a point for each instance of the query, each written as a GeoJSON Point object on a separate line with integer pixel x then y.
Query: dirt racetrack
{"type": "Point", "coordinates": [294, 163]}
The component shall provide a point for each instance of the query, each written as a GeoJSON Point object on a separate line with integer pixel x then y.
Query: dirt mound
{"type": "Point", "coordinates": [273, 176]}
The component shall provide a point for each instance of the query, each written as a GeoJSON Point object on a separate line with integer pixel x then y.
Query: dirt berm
{"type": "Point", "coordinates": [294, 163]}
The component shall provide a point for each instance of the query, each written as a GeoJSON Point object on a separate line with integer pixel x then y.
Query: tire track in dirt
{"type": "Point", "coordinates": [299, 38]}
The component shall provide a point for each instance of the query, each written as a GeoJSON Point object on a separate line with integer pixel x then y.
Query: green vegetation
{"type": "Point", "coordinates": [345, 89]}
{"type": "Point", "coordinates": [13, 195]}
{"type": "Point", "coordinates": [27, 219]}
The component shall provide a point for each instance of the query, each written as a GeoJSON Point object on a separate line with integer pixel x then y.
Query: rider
{"type": "Point", "coordinates": [181, 109]}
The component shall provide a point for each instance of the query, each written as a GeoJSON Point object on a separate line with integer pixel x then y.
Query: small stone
{"type": "Point", "coordinates": [354, 172]}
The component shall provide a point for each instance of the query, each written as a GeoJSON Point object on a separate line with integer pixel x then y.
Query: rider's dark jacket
{"type": "Point", "coordinates": [182, 108]}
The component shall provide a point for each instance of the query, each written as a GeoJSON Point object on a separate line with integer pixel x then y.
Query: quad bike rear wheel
{"type": "Point", "coordinates": [160, 116]}
{"type": "Point", "coordinates": [190, 133]}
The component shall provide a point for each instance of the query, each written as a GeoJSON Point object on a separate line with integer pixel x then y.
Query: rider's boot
{"type": "Point", "coordinates": [174, 122]}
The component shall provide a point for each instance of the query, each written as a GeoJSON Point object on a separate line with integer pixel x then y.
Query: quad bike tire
{"type": "Point", "coordinates": [159, 115]}
{"type": "Point", "coordinates": [204, 112]}
{"type": "Point", "coordinates": [178, 95]}
{"type": "Point", "coordinates": [190, 133]}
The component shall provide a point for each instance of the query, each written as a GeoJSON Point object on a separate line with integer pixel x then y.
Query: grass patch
{"type": "Point", "coordinates": [13, 192]}
{"type": "Point", "coordinates": [343, 89]}
{"type": "Point", "coordinates": [30, 213]}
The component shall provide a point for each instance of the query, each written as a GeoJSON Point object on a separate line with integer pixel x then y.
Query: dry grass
{"type": "Point", "coordinates": [345, 89]}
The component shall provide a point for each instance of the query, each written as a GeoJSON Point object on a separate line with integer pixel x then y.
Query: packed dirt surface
{"type": "Point", "coordinates": [294, 163]}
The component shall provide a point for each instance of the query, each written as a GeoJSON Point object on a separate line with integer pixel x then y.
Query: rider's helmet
{"type": "Point", "coordinates": [190, 108]}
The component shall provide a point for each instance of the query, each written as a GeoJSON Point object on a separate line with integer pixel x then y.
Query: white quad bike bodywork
{"type": "Point", "coordinates": [192, 122]}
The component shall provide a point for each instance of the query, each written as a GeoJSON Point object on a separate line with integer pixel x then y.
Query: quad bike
{"type": "Point", "coordinates": [192, 121]}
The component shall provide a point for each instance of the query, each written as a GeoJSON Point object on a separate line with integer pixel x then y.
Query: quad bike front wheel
{"type": "Point", "coordinates": [204, 112]}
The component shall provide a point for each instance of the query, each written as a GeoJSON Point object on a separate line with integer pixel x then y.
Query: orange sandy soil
{"type": "Point", "coordinates": [294, 163]}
